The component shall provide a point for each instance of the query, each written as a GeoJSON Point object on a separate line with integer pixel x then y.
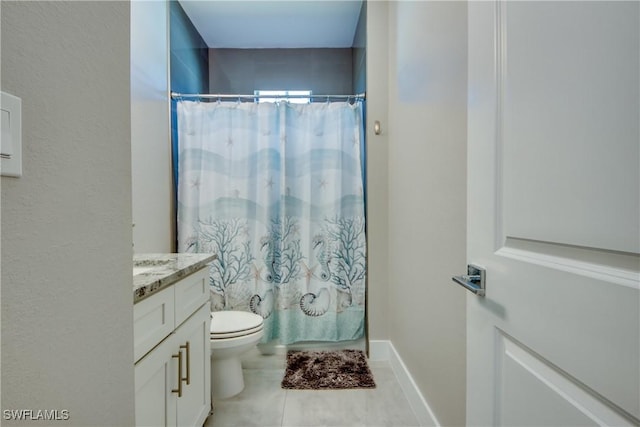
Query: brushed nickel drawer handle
{"type": "Point", "coordinates": [179, 389]}
{"type": "Point", "coordinates": [187, 379]}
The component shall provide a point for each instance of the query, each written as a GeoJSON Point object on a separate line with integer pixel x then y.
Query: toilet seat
{"type": "Point", "coordinates": [235, 334]}
{"type": "Point", "coordinates": [232, 324]}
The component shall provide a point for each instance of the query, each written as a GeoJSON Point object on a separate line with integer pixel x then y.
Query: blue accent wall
{"type": "Point", "coordinates": [359, 76]}
{"type": "Point", "coordinates": [189, 70]}
{"type": "Point", "coordinates": [189, 54]}
{"type": "Point", "coordinates": [360, 52]}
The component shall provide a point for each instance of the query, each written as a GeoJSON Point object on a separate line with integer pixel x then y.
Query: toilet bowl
{"type": "Point", "coordinates": [232, 334]}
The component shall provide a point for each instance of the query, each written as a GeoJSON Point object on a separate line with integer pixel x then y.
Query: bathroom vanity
{"type": "Point", "coordinates": [171, 339]}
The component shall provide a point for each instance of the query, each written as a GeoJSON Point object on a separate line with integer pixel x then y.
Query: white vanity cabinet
{"type": "Point", "coordinates": [172, 352]}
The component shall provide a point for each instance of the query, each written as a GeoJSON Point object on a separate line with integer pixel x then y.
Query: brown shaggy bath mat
{"type": "Point", "coordinates": [325, 370]}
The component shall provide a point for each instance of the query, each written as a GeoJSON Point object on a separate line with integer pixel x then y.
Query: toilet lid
{"type": "Point", "coordinates": [229, 324]}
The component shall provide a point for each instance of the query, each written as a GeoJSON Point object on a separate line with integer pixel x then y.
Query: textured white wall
{"type": "Point", "coordinates": [150, 127]}
{"type": "Point", "coordinates": [427, 197]}
{"type": "Point", "coordinates": [67, 334]}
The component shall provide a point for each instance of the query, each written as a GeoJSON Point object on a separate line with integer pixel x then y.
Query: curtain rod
{"type": "Point", "coordinates": [228, 96]}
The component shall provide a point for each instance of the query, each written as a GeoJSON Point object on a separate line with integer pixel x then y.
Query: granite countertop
{"type": "Point", "coordinates": [153, 272]}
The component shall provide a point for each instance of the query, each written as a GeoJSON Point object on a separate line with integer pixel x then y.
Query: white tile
{"type": "Point", "coordinates": [253, 359]}
{"type": "Point", "coordinates": [386, 405]}
{"type": "Point", "coordinates": [234, 414]}
{"type": "Point", "coordinates": [265, 403]}
{"type": "Point", "coordinates": [324, 408]}
{"type": "Point", "coordinates": [261, 402]}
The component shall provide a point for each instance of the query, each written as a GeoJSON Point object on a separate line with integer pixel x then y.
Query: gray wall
{"type": "Point", "coordinates": [427, 197]}
{"type": "Point", "coordinates": [150, 128]}
{"type": "Point", "coordinates": [377, 106]}
{"type": "Point", "coordinates": [241, 71]}
{"type": "Point", "coordinates": [67, 333]}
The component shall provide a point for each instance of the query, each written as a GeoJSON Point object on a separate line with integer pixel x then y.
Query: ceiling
{"type": "Point", "coordinates": [274, 23]}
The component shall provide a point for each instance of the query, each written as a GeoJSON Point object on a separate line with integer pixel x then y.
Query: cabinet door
{"type": "Point", "coordinates": [195, 404]}
{"type": "Point", "coordinates": [156, 375]}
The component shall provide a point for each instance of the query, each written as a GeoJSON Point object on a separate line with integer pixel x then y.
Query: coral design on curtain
{"type": "Point", "coordinates": [276, 191]}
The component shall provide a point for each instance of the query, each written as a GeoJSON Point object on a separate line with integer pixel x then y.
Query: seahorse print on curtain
{"type": "Point", "coordinates": [276, 191]}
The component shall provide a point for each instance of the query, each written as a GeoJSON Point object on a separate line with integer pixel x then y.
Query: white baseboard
{"type": "Point", "coordinates": [384, 350]}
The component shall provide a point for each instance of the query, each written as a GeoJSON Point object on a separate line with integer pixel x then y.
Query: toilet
{"type": "Point", "coordinates": [232, 334]}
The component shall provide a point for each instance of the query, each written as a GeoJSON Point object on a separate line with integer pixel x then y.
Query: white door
{"type": "Point", "coordinates": [553, 213]}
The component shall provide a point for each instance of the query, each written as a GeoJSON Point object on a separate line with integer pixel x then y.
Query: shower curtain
{"type": "Point", "coordinates": [276, 191]}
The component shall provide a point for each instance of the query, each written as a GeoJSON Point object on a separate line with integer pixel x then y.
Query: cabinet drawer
{"type": "Point", "coordinates": [153, 320]}
{"type": "Point", "coordinates": [190, 293]}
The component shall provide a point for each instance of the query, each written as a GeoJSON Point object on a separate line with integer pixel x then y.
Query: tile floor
{"type": "Point", "coordinates": [264, 403]}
